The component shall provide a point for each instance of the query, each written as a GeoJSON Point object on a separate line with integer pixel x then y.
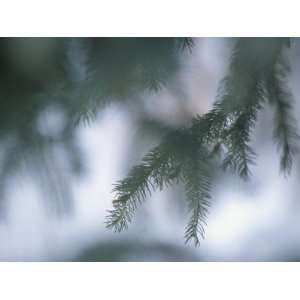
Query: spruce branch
{"type": "Point", "coordinates": [285, 131]}
{"type": "Point", "coordinates": [187, 155]}
{"type": "Point", "coordinates": [197, 181]}
{"type": "Point", "coordinates": [239, 155]}
{"type": "Point", "coordinates": [159, 168]}
{"type": "Point", "coordinates": [171, 162]}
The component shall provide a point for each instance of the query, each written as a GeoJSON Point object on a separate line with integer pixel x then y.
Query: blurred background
{"type": "Point", "coordinates": [77, 114]}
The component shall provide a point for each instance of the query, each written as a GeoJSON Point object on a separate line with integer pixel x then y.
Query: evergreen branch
{"type": "Point", "coordinates": [286, 134]}
{"type": "Point", "coordinates": [172, 161]}
{"type": "Point", "coordinates": [187, 154]}
{"type": "Point", "coordinates": [285, 131]}
{"type": "Point", "coordinates": [133, 190]}
{"type": "Point", "coordinates": [197, 180]}
{"type": "Point", "coordinates": [159, 168]}
{"type": "Point", "coordinates": [239, 154]}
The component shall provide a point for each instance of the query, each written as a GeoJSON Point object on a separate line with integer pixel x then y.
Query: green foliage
{"type": "Point", "coordinates": [285, 131]}
{"type": "Point", "coordinates": [188, 155]}
{"type": "Point", "coordinates": [77, 77]}
{"type": "Point", "coordinates": [73, 78]}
